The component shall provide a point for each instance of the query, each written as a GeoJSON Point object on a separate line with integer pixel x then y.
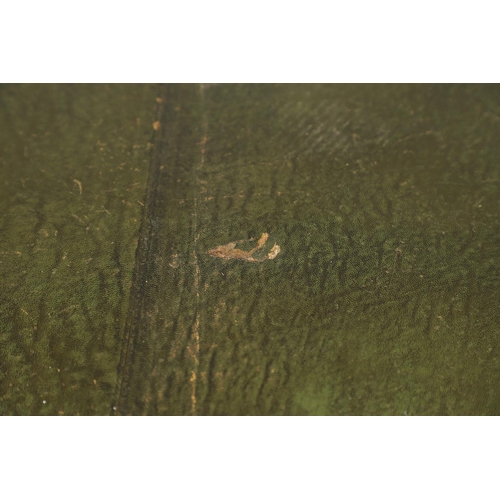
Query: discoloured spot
{"type": "Point", "coordinates": [229, 251]}
{"type": "Point", "coordinates": [174, 261]}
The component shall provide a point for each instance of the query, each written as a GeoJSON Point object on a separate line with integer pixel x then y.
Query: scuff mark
{"type": "Point", "coordinates": [79, 184]}
{"type": "Point", "coordinates": [229, 251]}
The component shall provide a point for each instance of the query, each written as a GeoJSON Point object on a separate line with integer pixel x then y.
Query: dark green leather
{"type": "Point", "coordinates": [383, 299]}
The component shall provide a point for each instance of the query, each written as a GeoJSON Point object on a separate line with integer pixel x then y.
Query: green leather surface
{"type": "Point", "coordinates": [74, 164]}
{"type": "Point", "coordinates": [384, 298]}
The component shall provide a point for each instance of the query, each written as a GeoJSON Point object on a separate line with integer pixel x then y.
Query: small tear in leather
{"type": "Point", "coordinates": [229, 251]}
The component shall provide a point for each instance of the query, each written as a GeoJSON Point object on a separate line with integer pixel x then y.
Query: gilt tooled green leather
{"type": "Point", "coordinates": [382, 299]}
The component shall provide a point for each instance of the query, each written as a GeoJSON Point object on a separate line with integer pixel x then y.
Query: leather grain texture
{"type": "Point", "coordinates": [74, 163]}
{"type": "Point", "coordinates": [383, 298]}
